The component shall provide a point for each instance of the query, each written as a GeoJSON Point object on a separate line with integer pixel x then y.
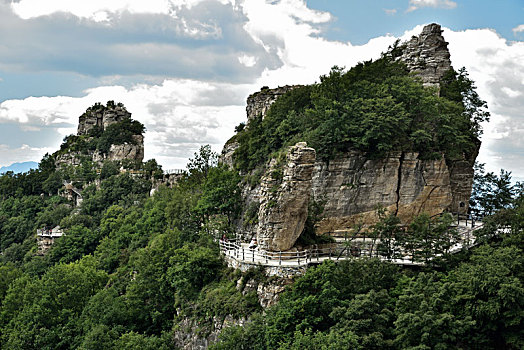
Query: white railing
{"type": "Point", "coordinates": [49, 233]}
{"type": "Point", "coordinates": [175, 171]}
{"type": "Point", "coordinates": [354, 247]}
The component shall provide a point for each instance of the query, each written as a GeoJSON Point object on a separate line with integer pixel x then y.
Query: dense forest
{"type": "Point", "coordinates": [133, 269]}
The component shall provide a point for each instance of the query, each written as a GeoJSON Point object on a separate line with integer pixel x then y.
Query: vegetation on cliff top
{"type": "Point", "coordinates": [375, 107]}
{"type": "Point", "coordinates": [99, 139]}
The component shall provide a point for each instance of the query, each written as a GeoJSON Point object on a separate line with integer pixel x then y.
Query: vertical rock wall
{"type": "Point", "coordinates": [259, 102]}
{"type": "Point", "coordinates": [284, 202]}
{"type": "Point", "coordinates": [352, 186]}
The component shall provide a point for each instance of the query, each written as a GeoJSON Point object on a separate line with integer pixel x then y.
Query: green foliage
{"type": "Point", "coordinates": [109, 169]}
{"type": "Point", "coordinates": [119, 133]}
{"type": "Point", "coordinates": [117, 189]}
{"type": "Point", "coordinates": [220, 193]}
{"type": "Point", "coordinates": [204, 160]}
{"type": "Point", "coordinates": [491, 192]}
{"type": "Point", "coordinates": [375, 107]}
{"type": "Point", "coordinates": [78, 241]}
{"type": "Point", "coordinates": [44, 313]}
{"type": "Point", "coordinates": [191, 268]}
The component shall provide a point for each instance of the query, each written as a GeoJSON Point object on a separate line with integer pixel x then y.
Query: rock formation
{"type": "Point", "coordinates": [427, 55]}
{"type": "Point", "coordinates": [101, 117]}
{"type": "Point", "coordinates": [352, 186]}
{"type": "Point", "coordinates": [259, 102]}
{"type": "Point", "coordinates": [284, 200]}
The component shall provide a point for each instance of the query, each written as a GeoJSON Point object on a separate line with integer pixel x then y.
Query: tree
{"type": "Point", "coordinates": [390, 233]}
{"type": "Point", "coordinates": [490, 290]}
{"type": "Point", "coordinates": [220, 193]}
{"type": "Point", "coordinates": [204, 160]}
{"type": "Point", "coordinates": [425, 317]}
{"type": "Point", "coordinates": [491, 192]}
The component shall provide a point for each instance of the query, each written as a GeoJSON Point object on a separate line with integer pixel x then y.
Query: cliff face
{"type": "Point", "coordinates": [284, 202]}
{"type": "Point", "coordinates": [101, 118]}
{"type": "Point", "coordinates": [259, 102]}
{"type": "Point", "coordinates": [352, 186]}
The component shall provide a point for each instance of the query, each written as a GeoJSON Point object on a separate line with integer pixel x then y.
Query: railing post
{"type": "Point", "coordinates": [329, 253]}
{"type": "Point", "coordinates": [242, 253]}
{"type": "Point", "coordinates": [280, 257]}
{"type": "Point", "coordinates": [318, 255]}
{"type": "Point", "coordinates": [253, 253]}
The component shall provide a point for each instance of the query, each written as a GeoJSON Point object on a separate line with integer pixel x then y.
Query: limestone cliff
{"type": "Point", "coordinates": [352, 185]}
{"type": "Point", "coordinates": [101, 116]}
{"type": "Point", "coordinates": [259, 102]}
{"type": "Point", "coordinates": [284, 199]}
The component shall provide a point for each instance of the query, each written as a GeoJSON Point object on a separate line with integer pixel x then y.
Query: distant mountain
{"type": "Point", "coordinates": [19, 167]}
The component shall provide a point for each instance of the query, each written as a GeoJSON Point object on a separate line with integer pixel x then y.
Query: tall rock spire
{"type": "Point", "coordinates": [427, 55]}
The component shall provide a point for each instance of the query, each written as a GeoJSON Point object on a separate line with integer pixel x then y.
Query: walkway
{"type": "Point", "coordinates": [340, 250]}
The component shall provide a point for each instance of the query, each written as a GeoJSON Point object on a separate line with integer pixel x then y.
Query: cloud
{"type": "Point", "coordinates": [497, 67]}
{"type": "Point", "coordinates": [9, 155]}
{"type": "Point", "coordinates": [518, 29]}
{"type": "Point", "coordinates": [189, 45]}
{"type": "Point", "coordinates": [248, 61]}
{"type": "Point", "coordinates": [417, 4]}
{"type": "Point", "coordinates": [197, 61]}
{"type": "Point", "coordinates": [390, 12]}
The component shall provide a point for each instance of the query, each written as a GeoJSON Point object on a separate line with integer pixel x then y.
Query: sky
{"type": "Point", "coordinates": [184, 68]}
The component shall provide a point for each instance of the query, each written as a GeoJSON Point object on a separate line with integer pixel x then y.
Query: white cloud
{"type": "Point", "coordinates": [93, 9]}
{"type": "Point", "coordinates": [102, 10]}
{"type": "Point", "coordinates": [497, 67]}
{"type": "Point", "coordinates": [23, 153]}
{"type": "Point", "coordinates": [290, 29]}
{"type": "Point", "coordinates": [518, 29]}
{"type": "Point", "coordinates": [181, 114]}
{"type": "Point", "coordinates": [390, 12]}
{"type": "Point", "coordinates": [247, 60]}
{"type": "Point", "coordinates": [445, 4]}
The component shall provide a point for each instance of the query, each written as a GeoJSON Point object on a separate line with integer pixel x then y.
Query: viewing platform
{"type": "Point", "coordinates": [46, 237]}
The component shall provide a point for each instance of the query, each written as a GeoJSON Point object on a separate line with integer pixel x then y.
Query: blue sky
{"type": "Point", "coordinates": [185, 67]}
{"type": "Point", "coordinates": [359, 21]}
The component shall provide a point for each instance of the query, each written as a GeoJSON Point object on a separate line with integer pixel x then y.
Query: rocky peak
{"type": "Point", "coordinates": [259, 102]}
{"type": "Point", "coordinates": [101, 116]}
{"type": "Point", "coordinates": [427, 55]}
